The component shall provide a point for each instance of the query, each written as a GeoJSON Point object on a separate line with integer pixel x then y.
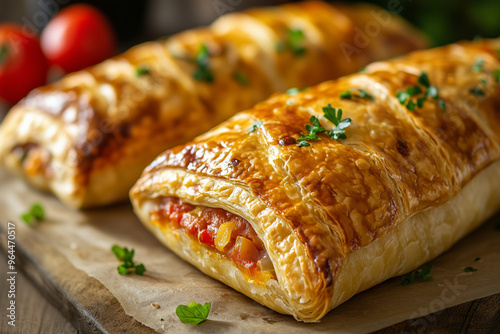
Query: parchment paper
{"type": "Point", "coordinates": [86, 237]}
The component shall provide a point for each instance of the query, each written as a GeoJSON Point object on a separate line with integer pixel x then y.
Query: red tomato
{"type": "Point", "coordinates": [77, 37]}
{"type": "Point", "coordinates": [22, 63]}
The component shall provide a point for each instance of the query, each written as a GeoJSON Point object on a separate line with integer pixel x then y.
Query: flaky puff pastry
{"type": "Point", "coordinates": [88, 136]}
{"type": "Point", "coordinates": [338, 217]}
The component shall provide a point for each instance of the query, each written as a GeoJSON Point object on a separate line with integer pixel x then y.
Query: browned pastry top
{"type": "Point", "coordinates": [394, 163]}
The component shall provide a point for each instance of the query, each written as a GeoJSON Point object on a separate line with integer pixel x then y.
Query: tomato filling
{"type": "Point", "coordinates": [222, 231]}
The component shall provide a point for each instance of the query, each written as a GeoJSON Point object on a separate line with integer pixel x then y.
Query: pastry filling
{"type": "Point", "coordinates": [221, 231]}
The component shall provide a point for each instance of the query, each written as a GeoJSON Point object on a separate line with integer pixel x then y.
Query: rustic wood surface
{"type": "Point", "coordinates": [91, 308]}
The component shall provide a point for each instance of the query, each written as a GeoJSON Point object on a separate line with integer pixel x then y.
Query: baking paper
{"type": "Point", "coordinates": [86, 237]}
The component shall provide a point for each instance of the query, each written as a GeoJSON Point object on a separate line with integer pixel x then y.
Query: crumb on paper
{"type": "Point", "coordinates": [156, 306]}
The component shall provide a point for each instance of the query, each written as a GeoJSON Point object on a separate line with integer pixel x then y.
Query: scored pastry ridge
{"type": "Point", "coordinates": [338, 217]}
{"type": "Point", "coordinates": [111, 120]}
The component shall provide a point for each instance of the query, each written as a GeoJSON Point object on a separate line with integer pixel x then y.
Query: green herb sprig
{"type": "Point", "coordinates": [421, 273]}
{"type": "Point", "coordinates": [142, 70]}
{"type": "Point", "coordinates": [478, 65]}
{"type": "Point", "coordinates": [337, 132]}
{"type": "Point", "coordinates": [469, 269]}
{"type": "Point", "coordinates": [496, 75]}
{"type": "Point", "coordinates": [293, 42]}
{"type": "Point", "coordinates": [295, 90]}
{"type": "Point", "coordinates": [193, 313]}
{"type": "Point", "coordinates": [241, 78]}
{"type": "Point", "coordinates": [405, 98]}
{"type": "Point", "coordinates": [350, 94]}
{"type": "Point", "coordinates": [255, 125]}
{"type": "Point", "coordinates": [128, 266]}
{"type": "Point", "coordinates": [35, 213]}
{"type": "Point", "coordinates": [202, 59]}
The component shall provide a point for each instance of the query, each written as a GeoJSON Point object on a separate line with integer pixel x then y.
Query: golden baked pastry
{"type": "Point", "coordinates": [88, 136]}
{"type": "Point", "coordinates": [301, 225]}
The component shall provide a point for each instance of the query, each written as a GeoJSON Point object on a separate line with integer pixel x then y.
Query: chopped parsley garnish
{"type": "Point", "coordinates": [498, 51]}
{"type": "Point", "coordinates": [477, 91]}
{"type": "Point", "coordinates": [193, 313]}
{"type": "Point", "coordinates": [142, 70]}
{"type": "Point", "coordinates": [4, 51]}
{"type": "Point", "coordinates": [362, 70]}
{"type": "Point", "coordinates": [348, 94]}
{"type": "Point", "coordinates": [469, 269]}
{"type": "Point", "coordinates": [483, 81]}
{"type": "Point", "coordinates": [36, 213]}
{"type": "Point", "coordinates": [295, 91]}
{"type": "Point", "coordinates": [430, 92]}
{"type": "Point", "coordinates": [477, 259]}
{"type": "Point", "coordinates": [128, 266]}
{"type": "Point", "coordinates": [203, 72]}
{"type": "Point", "coordinates": [255, 125]}
{"type": "Point", "coordinates": [420, 273]}
{"type": "Point", "coordinates": [294, 42]}
{"type": "Point", "coordinates": [478, 65]}
{"type": "Point", "coordinates": [423, 80]}
{"type": "Point", "coordinates": [496, 75]}
{"type": "Point", "coordinates": [334, 115]}
{"type": "Point", "coordinates": [241, 78]}
{"type": "Point", "coordinates": [442, 104]}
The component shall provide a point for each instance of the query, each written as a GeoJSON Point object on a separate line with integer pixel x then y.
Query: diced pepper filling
{"type": "Point", "coordinates": [220, 230]}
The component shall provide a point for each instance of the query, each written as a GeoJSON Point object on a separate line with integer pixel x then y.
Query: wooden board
{"type": "Point", "coordinates": [91, 308]}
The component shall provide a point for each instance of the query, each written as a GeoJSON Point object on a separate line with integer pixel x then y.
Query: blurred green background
{"type": "Point", "coordinates": [448, 21]}
{"type": "Point", "coordinates": [444, 21]}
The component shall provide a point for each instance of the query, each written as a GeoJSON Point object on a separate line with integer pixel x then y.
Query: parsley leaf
{"type": "Point", "coordinates": [241, 78]}
{"type": "Point", "coordinates": [442, 104]}
{"type": "Point", "coordinates": [469, 269]}
{"type": "Point", "coordinates": [496, 75]}
{"type": "Point", "coordinates": [36, 213]}
{"type": "Point", "coordinates": [128, 266]}
{"type": "Point", "coordinates": [255, 125]}
{"type": "Point", "coordinates": [295, 91]}
{"type": "Point", "coordinates": [431, 91]}
{"type": "Point", "coordinates": [337, 132]}
{"type": "Point", "coordinates": [478, 65]}
{"type": "Point", "coordinates": [419, 273]}
{"type": "Point", "coordinates": [142, 70]}
{"type": "Point", "coordinates": [294, 42]}
{"type": "Point", "coordinates": [348, 94]}
{"type": "Point", "coordinates": [477, 259]}
{"type": "Point", "coordinates": [4, 51]}
{"type": "Point", "coordinates": [203, 72]}
{"type": "Point", "coordinates": [413, 90]}
{"type": "Point", "coordinates": [193, 313]}
{"type": "Point", "coordinates": [402, 97]}
{"type": "Point", "coordinates": [477, 91]}
{"type": "Point", "coordinates": [423, 80]}
{"type": "Point", "coordinates": [334, 115]}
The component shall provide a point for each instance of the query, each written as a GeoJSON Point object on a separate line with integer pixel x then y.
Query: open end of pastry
{"type": "Point", "coordinates": [221, 231]}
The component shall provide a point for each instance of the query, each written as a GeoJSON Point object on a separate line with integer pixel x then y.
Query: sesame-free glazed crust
{"type": "Point", "coordinates": [338, 217]}
{"type": "Point", "coordinates": [88, 136]}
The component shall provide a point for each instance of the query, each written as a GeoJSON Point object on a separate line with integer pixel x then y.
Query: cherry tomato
{"type": "Point", "coordinates": [22, 63]}
{"type": "Point", "coordinates": [77, 37]}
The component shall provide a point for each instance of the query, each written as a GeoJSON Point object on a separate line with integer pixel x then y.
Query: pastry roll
{"type": "Point", "coordinates": [88, 137]}
{"type": "Point", "coordinates": [300, 206]}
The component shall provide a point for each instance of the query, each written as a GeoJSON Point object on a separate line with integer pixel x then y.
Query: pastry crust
{"type": "Point", "coordinates": [338, 217]}
{"type": "Point", "coordinates": [95, 130]}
